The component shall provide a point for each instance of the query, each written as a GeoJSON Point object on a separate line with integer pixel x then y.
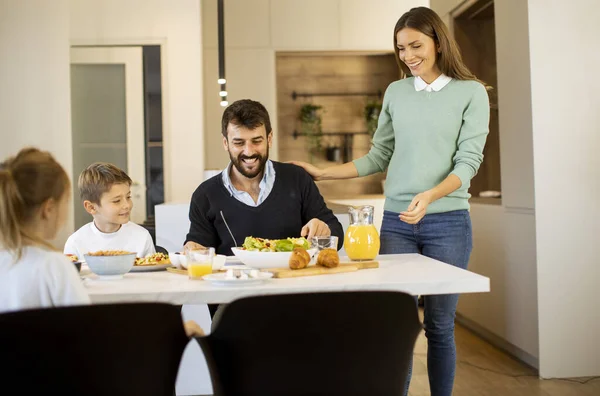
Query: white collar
{"type": "Point", "coordinates": [269, 175]}
{"type": "Point", "coordinates": [436, 85]}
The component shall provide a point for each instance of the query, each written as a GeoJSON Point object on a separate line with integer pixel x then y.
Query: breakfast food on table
{"type": "Point", "coordinates": [110, 253]}
{"type": "Point", "coordinates": [153, 259]}
{"type": "Point", "coordinates": [72, 257]}
{"type": "Point", "coordinates": [299, 258]}
{"type": "Point", "coordinates": [328, 258]}
{"type": "Point", "coordinates": [274, 245]}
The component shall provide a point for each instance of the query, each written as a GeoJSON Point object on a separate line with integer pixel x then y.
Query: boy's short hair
{"type": "Point", "coordinates": [98, 178]}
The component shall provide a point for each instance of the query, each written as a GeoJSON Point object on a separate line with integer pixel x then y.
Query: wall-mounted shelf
{"type": "Point", "coordinates": [296, 134]}
{"type": "Point", "coordinates": [296, 95]}
{"type": "Point", "coordinates": [347, 138]}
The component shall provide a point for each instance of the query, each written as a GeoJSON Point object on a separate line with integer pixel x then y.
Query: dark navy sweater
{"type": "Point", "coordinates": [293, 202]}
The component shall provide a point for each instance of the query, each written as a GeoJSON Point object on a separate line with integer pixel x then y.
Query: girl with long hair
{"type": "Point", "coordinates": [34, 204]}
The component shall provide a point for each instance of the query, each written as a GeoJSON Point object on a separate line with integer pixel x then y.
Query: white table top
{"type": "Point", "coordinates": [411, 273]}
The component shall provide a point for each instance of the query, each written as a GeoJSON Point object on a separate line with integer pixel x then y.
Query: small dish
{"type": "Point", "coordinates": [221, 279]}
{"type": "Point", "coordinates": [150, 268]}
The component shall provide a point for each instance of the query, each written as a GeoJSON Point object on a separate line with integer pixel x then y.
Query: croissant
{"type": "Point", "coordinates": [299, 258]}
{"type": "Point", "coordinates": [328, 258]}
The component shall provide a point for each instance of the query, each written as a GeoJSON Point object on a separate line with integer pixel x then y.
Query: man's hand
{"type": "Point", "coordinates": [314, 228]}
{"type": "Point", "coordinates": [192, 246]}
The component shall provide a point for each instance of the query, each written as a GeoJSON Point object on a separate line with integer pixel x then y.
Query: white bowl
{"type": "Point", "coordinates": [219, 261]}
{"type": "Point", "coordinates": [261, 260]}
{"type": "Point", "coordinates": [177, 259]}
{"type": "Point", "coordinates": [110, 266]}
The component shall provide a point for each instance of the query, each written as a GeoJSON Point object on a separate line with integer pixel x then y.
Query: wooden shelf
{"type": "Point", "coordinates": [296, 134]}
{"type": "Point", "coordinates": [296, 95]}
{"type": "Point", "coordinates": [347, 139]}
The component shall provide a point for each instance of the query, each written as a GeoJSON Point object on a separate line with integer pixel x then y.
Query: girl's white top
{"type": "Point", "coordinates": [41, 278]}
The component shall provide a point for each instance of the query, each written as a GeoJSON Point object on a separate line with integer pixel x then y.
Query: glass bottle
{"type": "Point", "coordinates": [362, 239]}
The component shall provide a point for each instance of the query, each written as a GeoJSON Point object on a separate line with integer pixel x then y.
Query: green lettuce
{"type": "Point", "coordinates": [253, 244]}
{"type": "Point", "coordinates": [284, 245]}
{"type": "Point", "coordinates": [274, 245]}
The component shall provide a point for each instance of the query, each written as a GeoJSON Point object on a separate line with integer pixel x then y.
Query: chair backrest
{"type": "Point", "coordinates": [350, 343]}
{"type": "Point", "coordinates": [160, 249]}
{"type": "Point", "coordinates": [117, 349]}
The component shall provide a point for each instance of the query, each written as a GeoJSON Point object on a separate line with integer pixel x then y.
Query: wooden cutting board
{"type": "Point", "coordinates": [309, 271]}
{"type": "Point", "coordinates": [177, 271]}
{"type": "Point", "coordinates": [318, 270]}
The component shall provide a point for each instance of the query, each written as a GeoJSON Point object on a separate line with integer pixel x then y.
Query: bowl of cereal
{"type": "Point", "coordinates": [110, 264]}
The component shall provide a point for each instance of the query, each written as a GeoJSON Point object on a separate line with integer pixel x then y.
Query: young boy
{"type": "Point", "coordinates": [106, 194]}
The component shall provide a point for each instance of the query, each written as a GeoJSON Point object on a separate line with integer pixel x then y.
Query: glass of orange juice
{"type": "Point", "coordinates": [200, 262]}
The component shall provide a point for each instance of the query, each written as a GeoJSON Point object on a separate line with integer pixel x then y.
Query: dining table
{"type": "Point", "coordinates": [410, 273]}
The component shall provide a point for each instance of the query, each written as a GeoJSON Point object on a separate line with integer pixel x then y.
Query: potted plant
{"type": "Point", "coordinates": [311, 126]}
{"type": "Point", "coordinates": [372, 111]}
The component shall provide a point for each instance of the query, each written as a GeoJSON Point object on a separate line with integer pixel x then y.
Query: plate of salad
{"type": "Point", "coordinates": [270, 253]}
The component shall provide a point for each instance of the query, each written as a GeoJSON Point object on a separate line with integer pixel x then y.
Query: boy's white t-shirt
{"type": "Point", "coordinates": [130, 237]}
{"type": "Point", "coordinates": [41, 278]}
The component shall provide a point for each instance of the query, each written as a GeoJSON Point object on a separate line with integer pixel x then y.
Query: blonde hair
{"type": "Point", "coordinates": [27, 181]}
{"type": "Point", "coordinates": [98, 178]}
{"type": "Point", "coordinates": [449, 60]}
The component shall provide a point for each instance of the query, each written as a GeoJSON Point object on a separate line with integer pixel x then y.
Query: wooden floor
{"type": "Point", "coordinates": [485, 370]}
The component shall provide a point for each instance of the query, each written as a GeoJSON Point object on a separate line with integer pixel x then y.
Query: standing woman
{"type": "Point", "coordinates": [430, 137]}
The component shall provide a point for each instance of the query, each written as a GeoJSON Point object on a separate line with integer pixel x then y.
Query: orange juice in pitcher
{"type": "Point", "coordinates": [362, 239]}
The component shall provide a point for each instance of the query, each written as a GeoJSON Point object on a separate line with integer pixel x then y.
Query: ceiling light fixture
{"type": "Point", "coordinates": [221, 27]}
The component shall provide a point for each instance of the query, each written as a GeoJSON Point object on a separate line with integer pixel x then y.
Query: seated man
{"type": "Point", "coordinates": [255, 196]}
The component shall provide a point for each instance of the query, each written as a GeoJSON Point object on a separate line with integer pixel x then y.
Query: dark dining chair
{"type": "Point", "coordinates": [341, 343]}
{"type": "Point", "coordinates": [160, 249]}
{"type": "Point", "coordinates": [117, 349]}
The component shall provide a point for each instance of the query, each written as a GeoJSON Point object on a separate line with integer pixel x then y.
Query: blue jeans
{"type": "Point", "coordinates": [446, 237]}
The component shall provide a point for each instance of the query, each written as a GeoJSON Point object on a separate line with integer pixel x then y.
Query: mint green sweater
{"type": "Point", "coordinates": [422, 137]}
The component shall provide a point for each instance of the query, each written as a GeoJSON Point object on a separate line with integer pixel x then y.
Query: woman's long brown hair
{"type": "Point", "coordinates": [449, 60]}
{"type": "Point", "coordinates": [27, 180]}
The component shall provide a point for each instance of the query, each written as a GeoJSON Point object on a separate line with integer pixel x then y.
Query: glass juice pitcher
{"type": "Point", "coordinates": [362, 239]}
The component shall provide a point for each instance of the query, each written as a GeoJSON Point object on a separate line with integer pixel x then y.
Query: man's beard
{"type": "Point", "coordinates": [259, 167]}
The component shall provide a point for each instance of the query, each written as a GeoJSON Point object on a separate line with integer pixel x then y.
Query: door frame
{"type": "Point", "coordinates": [164, 82]}
{"type": "Point", "coordinates": [132, 59]}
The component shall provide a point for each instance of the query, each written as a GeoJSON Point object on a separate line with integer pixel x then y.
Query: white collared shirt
{"type": "Point", "coordinates": [436, 85]}
{"type": "Point", "coordinates": [266, 185]}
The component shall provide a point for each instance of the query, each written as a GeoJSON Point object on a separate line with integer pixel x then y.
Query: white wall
{"type": "Point", "coordinates": [566, 137]}
{"type": "Point", "coordinates": [35, 106]}
{"type": "Point", "coordinates": [176, 26]}
{"type": "Point", "coordinates": [256, 29]}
